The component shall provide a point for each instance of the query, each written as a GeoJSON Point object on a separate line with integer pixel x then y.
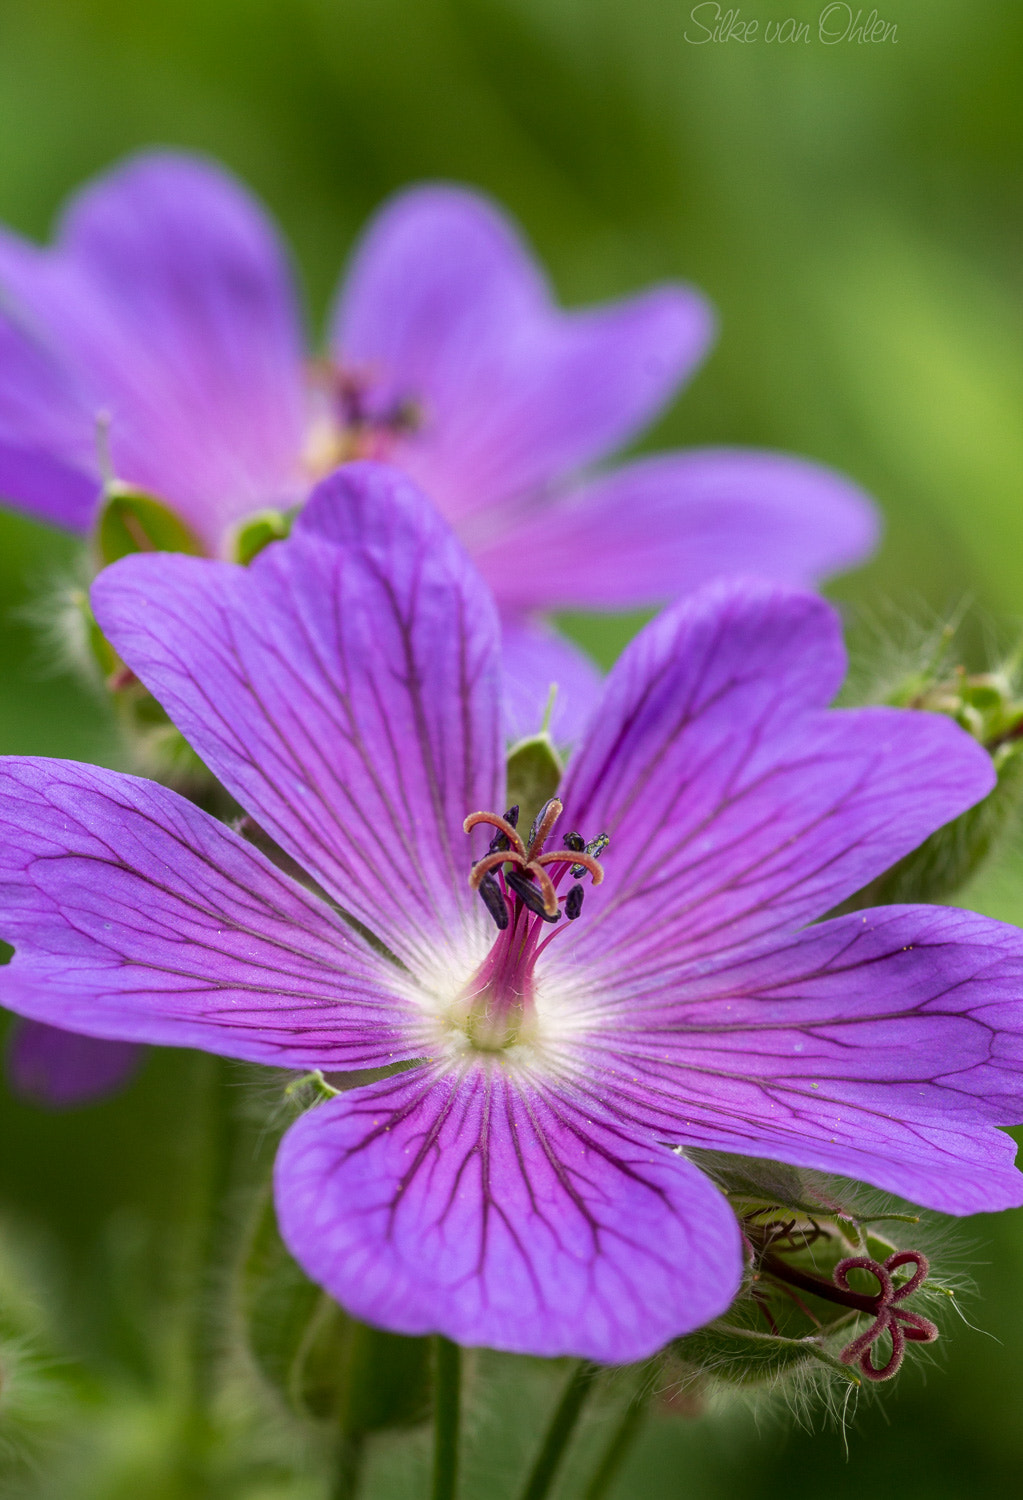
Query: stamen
{"type": "Point", "coordinates": [564, 856]}
{"type": "Point", "coordinates": [594, 849]}
{"type": "Point", "coordinates": [500, 840]}
{"type": "Point", "coordinates": [506, 826]}
{"type": "Point", "coordinates": [574, 903]}
{"type": "Point", "coordinates": [533, 896]}
{"type": "Point", "coordinates": [543, 823]}
{"type": "Point", "coordinates": [482, 868]}
{"type": "Point", "coordinates": [494, 901]}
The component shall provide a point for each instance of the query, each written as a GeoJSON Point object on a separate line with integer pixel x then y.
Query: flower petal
{"type": "Point", "coordinates": [491, 1209]}
{"type": "Point", "coordinates": [344, 689]}
{"type": "Point", "coordinates": [62, 1069]}
{"type": "Point", "coordinates": [444, 307]}
{"type": "Point", "coordinates": [736, 806]}
{"type": "Point", "coordinates": [136, 916]}
{"type": "Point", "coordinates": [663, 526]}
{"type": "Point", "coordinates": [883, 1045]}
{"type": "Point", "coordinates": [169, 296]}
{"type": "Point", "coordinates": [47, 445]}
{"type": "Point", "coordinates": [534, 658]}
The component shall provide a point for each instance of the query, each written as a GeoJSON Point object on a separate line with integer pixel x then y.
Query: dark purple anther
{"type": "Point", "coordinates": [574, 902]}
{"type": "Point", "coordinates": [529, 894]}
{"type": "Point", "coordinates": [494, 901]}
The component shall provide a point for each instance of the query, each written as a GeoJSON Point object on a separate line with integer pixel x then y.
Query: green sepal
{"type": "Point", "coordinates": [99, 648]}
{"type": "Point", "coordinates": [256, 532]}
{"type": "Point", "coordinates": [746, 1356]}
{"type": "Point", "coordinates": [131, 521]}
{"type": "Point", "coordinates": [534, 775]}
{"type": "Point", "coordinates": [324, 1365]}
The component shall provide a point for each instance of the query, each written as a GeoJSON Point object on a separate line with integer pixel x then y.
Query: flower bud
{"type": "Point", "coordinates": [534, 775]}
{"type": "Point", "coordinates": [831, 1292]}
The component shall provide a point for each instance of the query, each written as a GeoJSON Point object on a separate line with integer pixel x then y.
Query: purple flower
{"type": "Point", "coordinates": [166, 311]}
{"type": "Point", "coordinates": [561, 1016]}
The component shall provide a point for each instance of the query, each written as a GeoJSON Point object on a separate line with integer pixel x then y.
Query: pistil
{"type": "Point", "coordinates": [518, 883]}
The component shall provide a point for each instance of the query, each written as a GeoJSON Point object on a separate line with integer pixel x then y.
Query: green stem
{"type": "Point", "coordinates": [447, 1401]}
{"type": "Point", "coordinates": [622, 1439]}
{"type": "Point", "coordinates": [193, 1350]}
{"type": "Point", "coordinates": [349, 1455]}
{"type": "Point", "coordinates": [562, 1426]}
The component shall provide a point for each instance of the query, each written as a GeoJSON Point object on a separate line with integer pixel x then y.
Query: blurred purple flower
{"type": "Point", "coordinates": [166, 312]}
{"type": "Point", "coordinates": [514, 1183]}
{"type": "Point", "coordinates": [62, 1069]}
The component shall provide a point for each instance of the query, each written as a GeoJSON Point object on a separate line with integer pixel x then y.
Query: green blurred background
{"type": "Point", "coordinates": [854, 210]}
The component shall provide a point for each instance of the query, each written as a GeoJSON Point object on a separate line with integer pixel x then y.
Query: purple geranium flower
{"type": "Point", "coordinates": [522, 1181]}
{"type": "Point", "coordinates": [166, 306]}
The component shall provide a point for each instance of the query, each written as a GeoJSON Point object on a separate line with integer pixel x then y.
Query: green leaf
{"type": "Point", "coordinates": [132, 521]}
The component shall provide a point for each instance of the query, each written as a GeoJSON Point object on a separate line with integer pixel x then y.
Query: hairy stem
{"type": "Point", "coordinates": [780, 1270]}
{"type": "Point", "coordinates": [447, 1401]}
{"type": "Point", "coordinates": [559, 1433]}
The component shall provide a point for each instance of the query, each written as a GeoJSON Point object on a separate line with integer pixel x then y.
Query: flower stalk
{"type": "Point", "coordinates": [447, 1406]}
{"type": "Point", "coordinates": [560, 1432]}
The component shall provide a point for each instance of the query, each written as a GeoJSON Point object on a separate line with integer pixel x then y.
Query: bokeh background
{"type": "Point", "coordinates": [855, 211]}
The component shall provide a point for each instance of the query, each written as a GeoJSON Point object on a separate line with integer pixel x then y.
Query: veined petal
{"type": "Point", "coordinates": [883, 1045]}
{"type": "Point", "coordinates": [344, 689]}
{"type": "Point", "coordinates": [58, 1069]}
{"type": "Point", "coordinates": [535, 658]}
{"type": "Point", "coordinates": [169, 297]}
{"type": "Point", "coordinates": [487, 1207]}
{"type": "Point", "coordinates": [661, 527]}
{"type": "Point", "coordinates": [135, 916]}
{"type": "Point", "coordinates": [736, 805]}
{"type": "Point", "coordinates": [445, 307]}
